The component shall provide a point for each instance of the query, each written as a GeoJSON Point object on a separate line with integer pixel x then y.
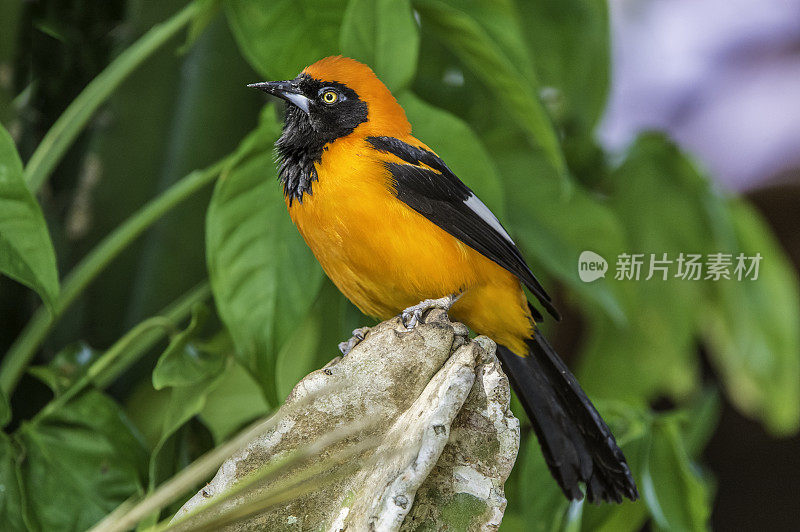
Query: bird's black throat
{"type": "Point", "coordinates": [298, 147]}
{"type": "Point", "coordinates": [305, 135]}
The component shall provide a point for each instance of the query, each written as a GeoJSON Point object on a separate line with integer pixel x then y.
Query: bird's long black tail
{"type": "Point", "coordinates": [577, 444]}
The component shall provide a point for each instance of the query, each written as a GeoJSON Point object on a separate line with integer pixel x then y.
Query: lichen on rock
{"type": "Point", "coordinates": [439, 405]}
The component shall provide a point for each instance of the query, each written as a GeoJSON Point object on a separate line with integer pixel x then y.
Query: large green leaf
{"type": "Point", "coordinates": [502, 22]}
{"type": "Point", "coordinates": [263, 275]}
{"type": "Point", "coordinates": [13, 500]}
{"type": "Point", "coordinates": [753, 327]}
{"type": "Point", "coordinates": [676, 496]}
{"type": "Point", "coordinates": [569, 41]}
{"type": "Point", "coordinates": [185, 402]}
{"type": "Point", "coordinates": [280, 38]}
{"type": "Point", "coordinates": [26, 252]}
{"type": "Point", "coordinates": [298, 356]}
{"type": "Point", "coordinates": [460, 30]}
{"type": "Point", "coordinates": [236, 400]}
{"type": "Point", "coordinates": [662, 201]}
{"type": "Point", "coordinates": [81, 461]}
{"type": "Point", "coordinates": [314, 342]}
{"type": "Point", "coordinates": [384, 35]}
{"type": "Point", "coordinates": [191, 368]}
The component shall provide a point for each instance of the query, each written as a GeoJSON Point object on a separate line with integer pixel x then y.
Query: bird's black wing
{"type": "Point", "coordinates": [427, 185]}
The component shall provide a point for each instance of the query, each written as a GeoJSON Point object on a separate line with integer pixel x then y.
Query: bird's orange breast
{"type": "Point", "coordinates": [384, 256]}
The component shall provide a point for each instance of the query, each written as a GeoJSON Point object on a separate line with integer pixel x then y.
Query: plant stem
{"type": "Point", "coordinates": [24, 348]}
{"type": "Point", "coordinates": [176, 312]}
{"type": "Point", "coordinates": [131, 346]}
{"type": "Point", "coordinates": [109, 357]}
{"type": "Point", "coordinates": [59, 138]}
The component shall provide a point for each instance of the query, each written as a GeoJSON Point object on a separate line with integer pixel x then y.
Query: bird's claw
{"type": "Point", "coordinates": [358, 335]}
{"type": "Point", "coordinates": [412, 315]}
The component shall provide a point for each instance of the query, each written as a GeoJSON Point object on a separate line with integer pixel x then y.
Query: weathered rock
{"type": "Point", "coordinates": [448, 438]}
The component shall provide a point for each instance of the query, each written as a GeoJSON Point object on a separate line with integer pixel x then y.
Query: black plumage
{"type": "Point", "coordinates": [577, 444]}
{"type": "Point", "coordinates": [429, 187]}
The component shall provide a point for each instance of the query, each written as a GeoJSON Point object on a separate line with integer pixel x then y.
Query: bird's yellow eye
{"type": "Point", "coordinates": [329, 97]}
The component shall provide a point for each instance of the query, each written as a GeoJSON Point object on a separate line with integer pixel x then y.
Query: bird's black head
{"type": "Point", "coordinates": [330, 108]}
{"type": "Point", "coordinates": [317, 113]}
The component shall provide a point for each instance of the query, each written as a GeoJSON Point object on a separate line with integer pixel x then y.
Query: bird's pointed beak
{"type": "Point", "coordinates": [286, 90]}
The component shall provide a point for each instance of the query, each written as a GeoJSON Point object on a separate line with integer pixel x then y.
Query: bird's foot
{"type": "Point", "coordinates": [411, 316]}
{"type": "Point", "coordinates": [358, 335]}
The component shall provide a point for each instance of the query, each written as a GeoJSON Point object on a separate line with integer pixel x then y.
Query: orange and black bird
{"type": "Point", "coordinates": [391, 225]}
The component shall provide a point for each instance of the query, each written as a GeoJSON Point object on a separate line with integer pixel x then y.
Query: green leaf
{"type": "Point", "coordinates": [663, 203]}
{"type": "Point", "coordinates": [5, 409]}
{"type": "Point", "coordinates": [69, 365]}
{"type": "Point", "coordinates": [675, 495]}
{"type": "Point", "coordinates": [282, 37]}
{"type": "Point", "coordinates": [26, 252]}
{"type": "Point", "coordinates": [315, 341]}
{"type": "Point", "coordinates": [187, 361]}
{"type": "Point", "coordinates": [171, 452]}
{"type": "Point", "coordinates": [384, 35]}
{"type": "Point", "coordinates": [263, 276]}
{"type": "Point", "coordinates": [461, 149]}
{"type": "Point", "coordinates": [700, 421]}
{"type": "Point", "coordinates": [479, 52]}
{"type": "Point", "coordinates": [546, 507]}
{"type": "Point", "coordinates": [81, 462]}
{"type": "Point", "coordinates": [13, 500]}
{"type": "Point", "coordinates": [569, 41]}
{"type": "Point", "coordinates": [185, 402]}
{"type": "Point", "coordinates": [236, 400]}
{"type": "Point", "coordinates": [207, 11]}
{"type": "Point", "coordinates": [753, 328]}
{"type": "Point", "coordinates": [298, 356]}
{"type": "Point", "coordinates": [188, 396]}
{"type": "Point", "coordinates": [625, 517]}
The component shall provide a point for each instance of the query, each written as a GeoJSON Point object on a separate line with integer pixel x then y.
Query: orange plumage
{"type": "Point", "coordinates": [380, 253]}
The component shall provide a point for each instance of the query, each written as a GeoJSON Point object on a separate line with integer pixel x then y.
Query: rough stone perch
{"type": "Point", "coordinates": [448, 438]}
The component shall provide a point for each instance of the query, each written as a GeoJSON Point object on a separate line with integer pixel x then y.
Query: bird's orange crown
{"type": "Point", "coordinates": [386, 117]}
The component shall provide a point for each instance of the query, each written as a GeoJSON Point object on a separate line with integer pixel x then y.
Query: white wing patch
{"type": "Point", "coordinates": [480, 208]}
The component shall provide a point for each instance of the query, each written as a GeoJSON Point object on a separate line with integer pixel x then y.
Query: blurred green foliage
{"type": "Point", "coordinates": [507, 92]}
